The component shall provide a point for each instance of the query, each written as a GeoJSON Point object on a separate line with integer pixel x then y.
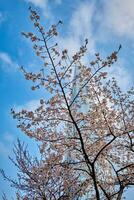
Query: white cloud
{"type": "Point", "coordinates": [4, 151]}
{"type": "Point", "coordinates": [58, 1]}
{"type": "Point", "coordinates": [2, 18]}
{"type": "Point", "coordinates": [80, 28]}
{"type": "Point", "coordinates": [30, 105]}
{"type": "Point", "coordinates": [6, 144]}
{"type": "Point", "coordinates": [114, 16]}
{"type": "Point", "coordinates": [5, 58]}
{"type": "Point", "coordinates": [39, 3]}
{"type": "Point", "coordinates": [42, 4]}
{"type": "Point", "coordinates": [120, 72]}
{"type": "Point", "coordinates": [6, 62]}
{"type": "Point", "coordinates": [118, 17]}
{"type": "Point", "coordinates": [8, 137]}
{"type": "Point", "coordinates": [81, 22]}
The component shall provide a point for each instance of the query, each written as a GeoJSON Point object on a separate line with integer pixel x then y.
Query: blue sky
{"type": "Point", "coordinates": [105, 23]}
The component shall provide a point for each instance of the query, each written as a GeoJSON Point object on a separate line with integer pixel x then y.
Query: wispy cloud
{"type": "Point", "coordinates": [121, 73]}
{"type": "Point", "coordinates": [3, 149]}
{"type": "Point", "coordinates": [44, 6]}
{"type": "Point", "coordinates": [81, 21]}
{"type": "Point", "coordinates": [58, 1]}
{"type": "Point", "coordinates": [7, 63]}
{"type": "Point", "coordinates": [30, 105]}
{"type": "Point", "coordinates": [118, 17]}
{"type": "Point", "coordinates": [6, 144]}
{"type": "Point", "coordinates": [2, 17]}
{"type": "Point", "coordinates": [43, 3]}
{"type": "Point", "coordinates": [6, 58]}
{"type": "Point", "coordinates": [8, 137]}
{"type": "Point", "coordinates": [80, 28]}
{"type": "Point", "coordinates": [39, 3]}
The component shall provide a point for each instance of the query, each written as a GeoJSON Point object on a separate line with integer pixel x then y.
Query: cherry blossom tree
{"type": "Point", "coordinates": [84, 125]}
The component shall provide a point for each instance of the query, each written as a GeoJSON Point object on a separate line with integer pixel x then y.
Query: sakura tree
{"type": "Point", "coordinates": [84, 126]}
